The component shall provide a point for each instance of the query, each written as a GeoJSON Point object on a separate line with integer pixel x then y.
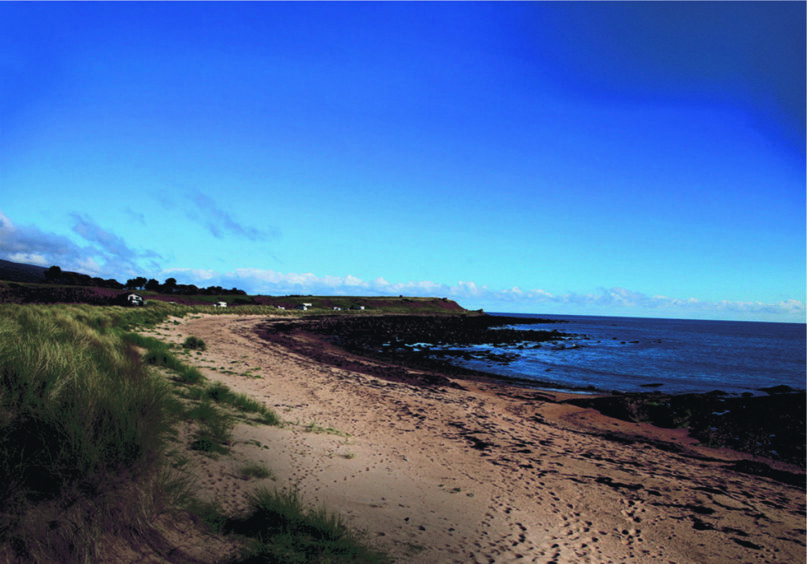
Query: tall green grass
{"type": "Point", "coordinates": [81, 421]}
{"type": "Point", "coordinates": [222, 394]}
{"type": "Point", "coordinates": [84, 425]}
{"type": "Point", "coordinates": [159, 353]}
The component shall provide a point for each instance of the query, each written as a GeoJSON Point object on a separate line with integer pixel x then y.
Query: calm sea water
{"type": "Point", "coordinates": [669, 355]}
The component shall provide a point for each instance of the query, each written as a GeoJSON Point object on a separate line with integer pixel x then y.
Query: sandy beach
{"type": "Point", "coordinates": [484, 472]}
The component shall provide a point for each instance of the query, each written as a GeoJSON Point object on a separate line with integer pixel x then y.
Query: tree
{"type": "Point", "coordinates": [152, 285]}
{"type": "Point", "coordinates": [169, 286]}
{"type": "Point", "coordinates": [53, 273]}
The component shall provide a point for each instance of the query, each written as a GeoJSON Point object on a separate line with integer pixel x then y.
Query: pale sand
{"type": "Point", "coordinates": [551, 488]}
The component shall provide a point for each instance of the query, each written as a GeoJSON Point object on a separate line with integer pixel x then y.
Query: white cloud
{"type": "Point", "coordinates": [6, 227]}
{"type": "Point", "coordinates": [604, 301]}
{"type": "Point", "coordinates": [89, 266]}
{"type": "Point", "coordinates": [29, 258]}
{"type": "Point", "coordinates": [105, 254]}
{"type": "Point", "coordinates": [32, 246]}
{"type": "Point", "coordinates": [195, 274]}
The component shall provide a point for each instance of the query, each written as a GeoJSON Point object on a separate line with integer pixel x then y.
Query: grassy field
{"type": "Point", "coordinates": [39, 293]}
{"type": "Point", "coordinates": [87, 410]}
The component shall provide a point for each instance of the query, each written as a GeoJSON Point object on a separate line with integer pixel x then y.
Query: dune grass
{"type": "Point", "coordinates": [222, 394]}
{"type": "Point", "coordinates": [84, 429]}
{"type": "Point", "coordinates": [159, 353]}
{"type": "Point", "coordinates": [194, 343]}
{"type": "Point", "coordinates": [82, 425]}
{"type": "Point", "coordinates": [285, 530]}
{"type": "Point", "coordinates": [256, 470]}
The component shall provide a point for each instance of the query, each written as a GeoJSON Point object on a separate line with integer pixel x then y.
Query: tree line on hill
{"type": "Point", "coordinates": [55, 275]}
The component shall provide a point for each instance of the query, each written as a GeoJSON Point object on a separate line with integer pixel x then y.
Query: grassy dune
{"type": "Point", "coordinates": [85, 424]}
{"type": "Point", "coordinates": [82, 427]}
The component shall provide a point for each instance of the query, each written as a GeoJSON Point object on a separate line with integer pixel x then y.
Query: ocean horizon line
{"type": "Point", "coordinates": [643, 317]}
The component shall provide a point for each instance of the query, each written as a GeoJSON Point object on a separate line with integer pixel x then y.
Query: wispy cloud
{"type": "Point", "coordinates": [108, 242]}
{"type": "Point", "coordinates": [220, 223]}
{"type": "Point", "coordinates": [603, 301]}
{"type": "Point", "coordinates": [629, 302]}
{"type": "Point", "coordinates": [31, 245]}
{"type": "Point", "coordinates": [116, 256]}
{"type": "Point", "coordinates": [136, 216]}
{"type": "Point", "coordinates": [105, 254]}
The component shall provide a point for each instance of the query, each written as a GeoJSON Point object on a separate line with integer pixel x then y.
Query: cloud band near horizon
{"type": "Point", "coordinates": [107, 255]}
{"type": "Point", "coordinates": [603, 301]}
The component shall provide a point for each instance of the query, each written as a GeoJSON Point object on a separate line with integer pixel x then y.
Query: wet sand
{"type": "Point", "coordinates": [453, 470]}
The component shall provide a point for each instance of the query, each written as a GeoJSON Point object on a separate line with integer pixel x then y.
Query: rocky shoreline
{"type": "Point", "coordinates": [409, 340]}
{"type": "Point", "coordinates": [770, 426]}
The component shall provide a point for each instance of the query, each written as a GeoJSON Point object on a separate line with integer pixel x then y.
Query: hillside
{"type": "Point", "coordinates": [27, 284]}
{"type": "Point", "coordinates": [17, 272]}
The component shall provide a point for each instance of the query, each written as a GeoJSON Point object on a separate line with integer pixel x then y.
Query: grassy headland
{"type": "Point", "coordinates": [42, 293]}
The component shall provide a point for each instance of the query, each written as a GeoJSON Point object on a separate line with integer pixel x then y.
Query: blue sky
{"type": "Point", "coordinates": [606, 158]}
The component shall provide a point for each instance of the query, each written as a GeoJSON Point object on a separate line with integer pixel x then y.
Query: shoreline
{"type": "Point", "coordinates": [449, 469]}
{"type": "Point", "coordinates": [758, 425]}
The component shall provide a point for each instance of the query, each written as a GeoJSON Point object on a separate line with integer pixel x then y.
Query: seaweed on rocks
{"type": "Point", "coordinates": [404, 342]}
{"type": "Point", "coordinates": [772, 426]}
{"type": "Point", "coordinates": [366, 334]}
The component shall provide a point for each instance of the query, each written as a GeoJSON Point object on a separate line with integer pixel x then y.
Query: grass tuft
{"type": "Point", "coordinates": [194, 343]}
{"type": "Point", "coordinates": [284, 530]}
{"type": "Point", "coordinates": [318, 429]}
{"type": "Point", "coordinates": [256, 470]}
{"type": "Point", "coordinates": [159, 354]}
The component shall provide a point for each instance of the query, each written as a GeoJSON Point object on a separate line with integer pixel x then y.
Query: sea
{"type": "Point", "coordinates": [629, 354]}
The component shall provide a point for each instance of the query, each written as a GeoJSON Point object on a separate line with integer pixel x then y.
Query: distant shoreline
{"type": "Point", "coordinates": [563, 316]}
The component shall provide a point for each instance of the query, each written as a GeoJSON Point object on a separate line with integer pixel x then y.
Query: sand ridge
{"type": "Point", "coordinates": [488, 473]}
